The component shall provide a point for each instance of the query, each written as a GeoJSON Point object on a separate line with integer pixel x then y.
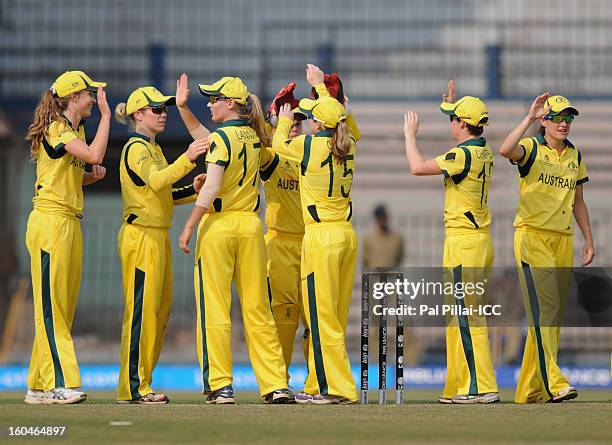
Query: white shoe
{"type": "Point", "coordinates": [65, 396]}
{"type": "Point", "coordinates": [149, 399]}
{"type": "Point", "coordinates": [489, 397]}
{"type": "Point", "coordinates": [320, 399]}
{"type": "Point", "coordinates": [567, 393]}
{"type": "Point", "coordinates": [303, 398]}
{"type": "Point", "coordinates": [35, 397]}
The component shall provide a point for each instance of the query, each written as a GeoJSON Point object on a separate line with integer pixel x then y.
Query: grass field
{"type": "Point", "coordinates": [586, 420]}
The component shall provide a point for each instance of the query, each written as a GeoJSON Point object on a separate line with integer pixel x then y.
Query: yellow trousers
{"type": "Point", "coordinates": [329, 253]}
{"type": "Point", "coordinates": [284, 288]}
{"type": "Point", "coordinates": [146, 263]}
{"type": "Point", "coordinates": [230, 246]}
{"type": "Point", "coordinates": [468, 256]}
{"type": "Point", "coordinates": [55, 245]}
{"type": "Point", "coordinates": [544, 261]}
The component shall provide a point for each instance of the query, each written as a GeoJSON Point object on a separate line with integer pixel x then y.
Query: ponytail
{"type": "Point", "coordinates": [542, 130]}
{"type": "Point", "coordinates": [341, 142]}
{"type": "Point", "coordinates": [123, 118]}
{"type": "Point", "coordinates": [50, 108]}
{"type": "Point", "coordinates": [253, 114]}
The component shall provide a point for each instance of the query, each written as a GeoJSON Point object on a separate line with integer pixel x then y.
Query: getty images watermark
{"type": "Point", "coordinates": [510, 296]}
{"type": "Point", "coordinates": [405, 290]}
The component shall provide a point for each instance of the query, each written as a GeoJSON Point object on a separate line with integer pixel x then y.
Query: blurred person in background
{"type": "Point", "coordinates": [53, 236]}
{"type": "Point", "coordinates": [144, 244]}
{"type": "Point", "coordinates": [382, 247]}
{"type": "Point", "coordinates": [468, 247]}
{"type": "Point", "coordinates": [552, 174]}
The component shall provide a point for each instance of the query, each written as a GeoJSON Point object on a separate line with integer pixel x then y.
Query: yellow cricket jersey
{"type": "Point", "coordinates": [547, 186]}
{"type": "Point", "coordinates": [325, 185]}
{"type": "Point", "coordinates": [236, 147]}
{"type": "Point", "coordinates": [467, 172]}
{"type": "Point", "coordinates": [282, 187]}
{"type": "Point", "coordinates": [59, 175]}
{"type": "Point", "coordinates": [146, 183]}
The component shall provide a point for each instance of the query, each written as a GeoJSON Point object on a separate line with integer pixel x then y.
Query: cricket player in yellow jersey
{"type": "Point", "coordinates": [283, 216]}
{"type": "Point", "coordinates": [468, 248]}
{"type": "Point", "coordinates": [53, 234]}
{"type": "Point", "coordinates": [144, 244]}
{"type": "Point", "coordinates": [551, 177]}
{"type": "Point", "coordinates": [329, 249]}
{"type": "Point", "coordinates": [230, 245]}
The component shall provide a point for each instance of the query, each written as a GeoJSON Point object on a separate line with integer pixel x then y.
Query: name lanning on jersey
{"type": "Point", "coordinates": [247, 135]}
{"type": "Point", "coordinates": [77, 163]}
{"type": "Point", "coordinates": [484, 154]}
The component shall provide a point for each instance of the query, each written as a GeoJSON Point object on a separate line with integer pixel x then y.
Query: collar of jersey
{"type": "Point", "coordinates": [542, 141]}
{"type": "Point", "coordinates": [324, 133]}
{"type": "Point", "coordinates": [81, 123]}
{"type": "Point", "coordinates": [133, 134]}
{"type": "Point", "coordinates": [234, 123]}
{"type": "Point", "coordinates": [475, 142]}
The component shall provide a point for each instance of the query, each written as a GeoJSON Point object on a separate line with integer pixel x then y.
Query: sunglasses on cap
{"type": "Point", "coordinates": [214, 99]}
{"type": "Point", "coordinates": [158, 110]}
{"type": "Point", "coordinates": [557, 119]}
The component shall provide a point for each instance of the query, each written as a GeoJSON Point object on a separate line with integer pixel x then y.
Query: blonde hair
{"type": "Point", "coordinates": [253, 114]}
{"type": "Point", "coordinates": [341, 142]}
{"type": "Point", "coordinates": [50, 108]}
{"type": "Point", "coordinates": [123, 118]}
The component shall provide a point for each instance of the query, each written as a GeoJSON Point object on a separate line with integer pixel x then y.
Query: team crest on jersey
{"type": "Point", "coordinates": [286, 166]}
{"type": "Point", "coordinates": [573, 167]}
{"type": "Point", "coordinates": [547, 160]}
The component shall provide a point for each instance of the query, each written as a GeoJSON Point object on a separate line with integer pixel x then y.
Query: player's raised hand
{"type": "Point", "coordinates": [347, 105]}
{"type": "Point", "coordinates": [537, 110]}
{"type": "Point", "coordinates": [285, 111]}
{"type": "Point", "coordinates": [588, 253]}
{"type": "Point", "coordinates": [182, 90]}
{"type": "Point", "coordinates": [411, 123]}
{"type": "Point", "coordinates": [105, 110]}
{"type": "Point", "coordinates": [184, 239]}
{"type": "Point", "coordinates": [199, 181]}
{"type": "Point", "coordinates": [450, 95]}
{"type": "Point", "coordinates": [197, 148]}
{"type": "Point", "coordinates": [314, 75]}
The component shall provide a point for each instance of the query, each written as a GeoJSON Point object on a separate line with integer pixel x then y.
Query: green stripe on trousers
{"type": "Point", "coordinates": [534, 306]}
{"type": "Point", "coordinates": [139, 282]}
{"type": "Point", "coordinates": [45, 262]}
{"type": "Point", "coordinates": [466, 337]}
{"type": "Point", "coordinates": [205, 367]}
{"type": "Point", "coordinates": [316, 338]}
